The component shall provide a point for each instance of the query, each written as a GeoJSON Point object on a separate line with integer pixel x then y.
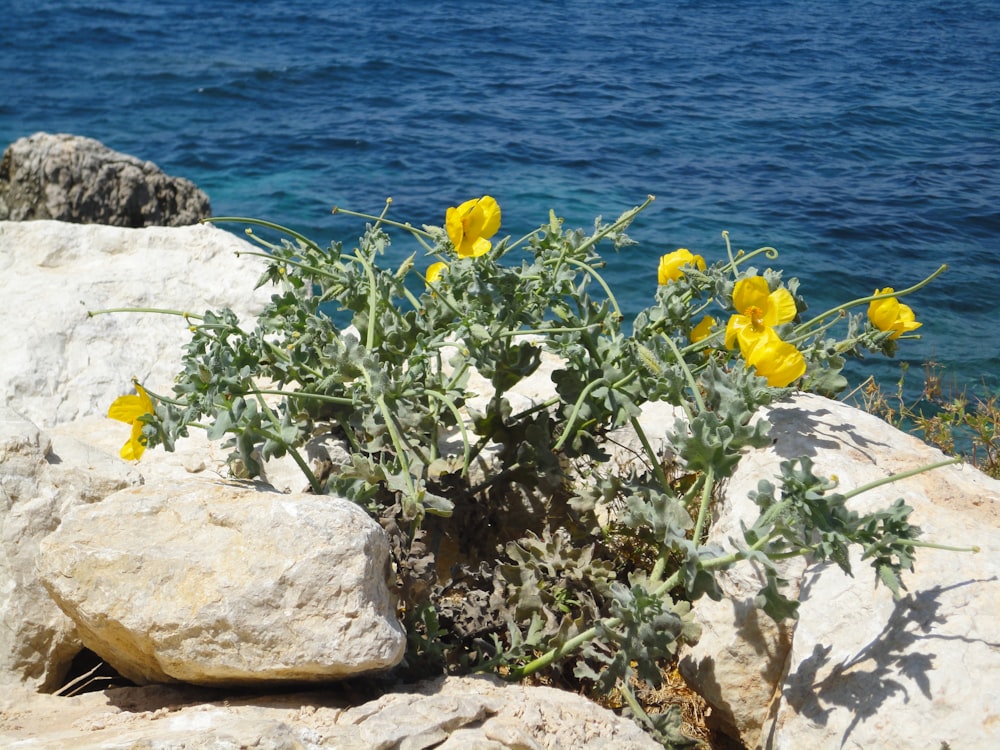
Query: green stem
{"type": "Point", "coordinates": [742, 257]}
{"type": "Point", "coordinates": [420, 234]}
{"type": "Point", "coordinates": [896, 477]}
{"type": "Point", "coordinates": [157, 310]}
{"type": "Point", "coordinates": [654, 459]}
{"type": "Point", "coordinates": [580, 400]}
{"type": "Point", "coordinates": [276, 436]}
{"type": "Point", "coordinates": [688, 375]}
{"type": "Point", "coordinates": [600, 280]}
{"type": "Point", "coordinates": [467, 446]}
{"type": "Point", "coordinates": [861, 300]}
{"type": "Point", "coordinates": [372, 302]}
{"type": "Point", "coordinates": [269, 225]}
{"type": "Point", "coordinates": [340, 400]}
{"type": "Point", "coordinates": [706, 501]}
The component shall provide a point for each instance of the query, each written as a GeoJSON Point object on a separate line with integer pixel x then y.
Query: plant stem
{"type": "Point", "coordinates": [157, 310]}
{"type": "Point", "coordinates": [896, 477]}
{"type": "Point", "coordinates": [706, 501]}
{"type": "Point", "coordinates": [861, 300]}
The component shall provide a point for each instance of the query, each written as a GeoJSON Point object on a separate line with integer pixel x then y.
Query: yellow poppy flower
{"type": "Point", "coordinates": [890, 314]}
{"type": "Point", "coordinates": [757, 310]}
{"type": "Point", "coordinates": [434, 271]}
{"type": "Point", "coordinates": [778, 361]}
{"type": "Point", "coordinates": [703, 330]}
{"type": "Point", "coordinates": [472, 224]}
{"type": "Point", "coordinates": [672, 263]}
{"type": "Point", "coordinates": [128, 409]}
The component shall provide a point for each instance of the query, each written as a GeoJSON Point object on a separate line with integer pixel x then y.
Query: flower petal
{"type": "Point", "coordinates": [491, 216]}
{"type": "Point", "coordinates": [780, 307]}
{"type": "Point", "coordinates": [778, 361]}
{"type": "Point", "coordinates": [434, 271]}
{"type": "Point", "coordinates": [703, 330]}
{"type": "Point", "coordinates": [750, 292]}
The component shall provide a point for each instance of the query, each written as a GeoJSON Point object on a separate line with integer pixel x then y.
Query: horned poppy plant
{"type": "Point", "coordinates": [471, 225]}
{"type": "Point", "coordinates": [128, 409]}
{"type": "Point", "coordinates": [672, 264]}
{"type": "Point", "coordinates": [890, 314]}
{"type": "Point", "coordinates": [778, 361]}
{"type": "Point", "coordinates": [757, 310]}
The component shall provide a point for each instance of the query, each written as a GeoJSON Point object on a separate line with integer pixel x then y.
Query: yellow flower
{"type": "Point", "coordinates": [671, 264]}
{"type": "Point", "coordinates": [472, 224]}
{"type": "Point", "coordinates": [890, 314]}
{"type": "Point", "coordinates": [128, 409]}
{"type": "Point", "coordinates": [777, 360]}
{"type": "Point", "coordinates": [703, 330]}
{"type": "Point", "coordinates": [757, 309]}
{"type": "Point", "coordinates": [434, 271]}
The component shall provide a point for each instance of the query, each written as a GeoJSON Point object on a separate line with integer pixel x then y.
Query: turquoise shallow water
{"type": "Point", "coordinates": [862, 139]}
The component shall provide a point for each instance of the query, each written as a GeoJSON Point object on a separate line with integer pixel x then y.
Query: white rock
{"type": "Point", "coordinates": [457, 713]}
{"type": "Point", "coordinates": [40, 480]}
{"type": "Point", "coordinates": [861, 670]}
{"type": "Point", "coordinates": [59, 364]}
{"type": "Point", "coordinates": [216, 584]}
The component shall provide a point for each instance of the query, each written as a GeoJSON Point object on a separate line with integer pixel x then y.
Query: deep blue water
{"type": "Point", "coordinates": [860, 138]}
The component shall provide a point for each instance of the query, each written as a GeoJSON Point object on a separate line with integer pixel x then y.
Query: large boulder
{"type": "Point", "coordinates": [858, 668]}
{"type": "Point", "coordinates": [213, 583]}
{"type": "Point", "coordinates": [58, 364]}
{"type": "Point", "coordinates": [41, 479]}
{"type": "Point", "coordinates": [77, 179]}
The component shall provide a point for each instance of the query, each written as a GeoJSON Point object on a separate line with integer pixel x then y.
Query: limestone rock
{"type": "Point", "coordinates": [59, 364]}
{"type": "Point", "coordinates": [216, 584]}
{"type": "Point", "coordinates": [457, 713]}
{"type": "Point", "coordinates": [858, 668]}
{"type": "Point", "coordinates": [40, 480]}
{"type": "Point", "coordinates": [80, 180]}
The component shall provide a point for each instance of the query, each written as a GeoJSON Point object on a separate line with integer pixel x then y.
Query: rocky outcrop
{"type": "Point", "coordinates": [80, 180]}
{"type": "Point", "coordinates": [59, 364]}
{"type": "Point", "coordinates": [453, 713]}
{"type": "Point", "coordinates": [858, 669]}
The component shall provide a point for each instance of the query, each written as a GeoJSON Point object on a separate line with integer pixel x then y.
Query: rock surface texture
{"type": "Point", "coordinates": [40, 480]}
{"type": "Point", "coordinates": [80, 180]}
{"type": "Point", "coordinates": [229, 586]}
{"type": "Point", "coordinates": [58, 363]}
{"type": "Point", "coordinates": [859, 669]}
{"type": "Point", "coordinates": [454, 713]}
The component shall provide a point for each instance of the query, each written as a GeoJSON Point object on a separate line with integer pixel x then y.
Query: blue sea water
{"type": "Point", "coordinates": [859, 137]}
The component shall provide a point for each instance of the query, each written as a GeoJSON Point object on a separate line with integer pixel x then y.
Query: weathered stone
{"type": "Point", "coordinates": [861, 669]}
{"type": "Point", "coordinates": [40, 479]}
{"type": "Point", "coordinates": [58, 363]}
{"type": "Point", "coordinates": [456, 713]}
{"type": "Point", "coordinates": [216, 584]}
{"type": "Point", "coordinates": [80, 180]}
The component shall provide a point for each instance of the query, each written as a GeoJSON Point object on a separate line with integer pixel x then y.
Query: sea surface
{"type": "Point", "coordinates": [859, 138]}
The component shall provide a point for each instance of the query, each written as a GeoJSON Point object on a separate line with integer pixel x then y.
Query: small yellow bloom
{"type": "Point", "coordinates": [703, 330]}
{"type": "Point", "coordinates": [434, 271]}
{"type": "Point", "coordinates": [890, 314]}
{"type": "Point", "coordinates": [778, 361]}
{"type": "Point", "coordinates": [757, 310]}
{"type": "Point", "coordinates": [472, 224]}
{"type": "Point", "coordinates": [128, 409]}
{"type": "Point", "coordinates": [672, 263]}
